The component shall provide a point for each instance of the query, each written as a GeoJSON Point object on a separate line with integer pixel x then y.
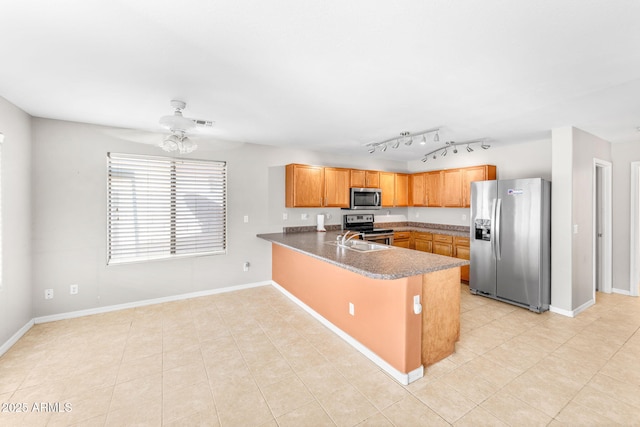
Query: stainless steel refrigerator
{"type": "Point", "coordinates": [511, 241]}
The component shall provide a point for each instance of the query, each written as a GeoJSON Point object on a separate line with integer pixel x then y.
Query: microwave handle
{"type": "Point", "coordinates": [376, 199]}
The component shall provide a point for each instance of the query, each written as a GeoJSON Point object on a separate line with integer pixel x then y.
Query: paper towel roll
{"type": "Point", "coordinates": [321, 223]}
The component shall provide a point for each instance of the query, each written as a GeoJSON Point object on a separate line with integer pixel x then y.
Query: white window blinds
{"type": "Point", "coordinates": [162, 207]}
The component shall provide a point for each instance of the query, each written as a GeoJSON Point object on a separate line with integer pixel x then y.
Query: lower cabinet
{"type": "Point", "coordinates": [443, 244]}
{"type": "Point", "coordinates": [402, 239]}
{"type": "Point", "coordinates": [422, 241]}
{"type": "Point", "coordinates": [461, 250]}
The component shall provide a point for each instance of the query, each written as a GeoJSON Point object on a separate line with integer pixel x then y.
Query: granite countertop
{"type": "Point", "coordinates": [394, 263]}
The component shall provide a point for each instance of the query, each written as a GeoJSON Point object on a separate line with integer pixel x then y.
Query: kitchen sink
{"type": "Point", "coordinates": [361, 246]}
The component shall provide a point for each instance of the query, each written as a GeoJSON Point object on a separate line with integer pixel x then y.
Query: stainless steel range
{"type": "Point", "coordinates": [363, 224]}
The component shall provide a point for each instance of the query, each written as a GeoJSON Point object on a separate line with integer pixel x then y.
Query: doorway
{"type": "Point", "coordinates": [634, 228]}
{"type": "Point", "coordinates": [601, 226]}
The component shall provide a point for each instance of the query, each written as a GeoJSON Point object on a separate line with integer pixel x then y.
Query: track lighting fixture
{"type": "Point", "coordinates": [407, 138]}
{"type": "Point", "coordinates": [372, 150]}
{"type": "Point", "coordinates": [454, 147]}
{"type": "Point", "coordinates": [424, 159]}
{"type": "Point", "coordinates": [384, 148]}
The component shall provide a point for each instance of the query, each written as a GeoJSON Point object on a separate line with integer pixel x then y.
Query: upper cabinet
{"type": "Point", "coordinates": [395, 189]}
{"type": "Point", "coordinates": [476, 173]}
{"type": "Point", "coordinates": [336, 187]}
{"type": "Point", "coordinates": [433, 188]}
{"type": "Point", "coordinates": [365, 179]}
{"type": "Point", "coordinates": [304, 186]}
{"type": "Point", "coordinates": [315, 186]}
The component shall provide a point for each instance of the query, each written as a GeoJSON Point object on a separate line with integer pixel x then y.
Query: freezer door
{"type": "Point", "coordinates": [482, 270]}
{"type": "Point", "coordinates": [519, 237]}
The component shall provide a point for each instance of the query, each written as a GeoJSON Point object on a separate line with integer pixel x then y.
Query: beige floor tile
{"type": "Point", "coordinates": [514, 411]}
{"type": "Point", "coordinates": [469, 384]}
{"type": "Point", "coordinates": [180, 357]}
{"type": "Point", "coordinates": [608, 406]}
{"type": "Point", "coordinates": [144, 413]}
{"type": "Point", "coordinates": [492, 372]}
{"type": "Point", "coordinates": [516, 355]}
{"type": "Point", "coordinates": [135, 368]}
{"type": "Point", "coordinates": [322, 382]}
{"type": "Point", "coordinates": [272, 372]}
{"type": "Point", "coordinates": [381, 390]}
{"type": "Point", "coordinates": [445, 400]}
{"type": "Point", "coordinates": [479, 417]}
{"type": "Point", "coordinates": [578, 415]}
{"type": "Point", "coordinates": [192, 399]}
{"type": "Point", "coordinates": [84, 407]}
{"type": "Point", "coordinates": [286, 396]}
{"type": "Point", "coordinates": [411, 412]}
{"type": "Point", "coordinates": [347, 406]}
{"type": "Point", "coordinates": [206, 418]}
{"type": "Point", "coordinates": [309, 415]}
{"type": "Point", "coordinates": [183, 376]}
{"type": "Point", "coordinates": [377, 420]}
{"type": "Point", "coordinates": [355, 365]}
{"type": "Point", "coordinates": [137, 392]}
{"type": "Point", "coordinates": [243, 409]}
{"type": "Point", "coordinates": [580, 372]}
{"type": "Point", "coordinates": [624, 391]}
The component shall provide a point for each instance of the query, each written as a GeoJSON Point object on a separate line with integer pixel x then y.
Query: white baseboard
{"type": "Point", "coordinates": [15, 337]}
{"type": "Point", "coordinates": [572, 313]}
{"type": "Point", "coordinates": [401, 377]}
{"type": "Point", "coordinates": [109, 308]}
{"type": "Point", "coordinates": [621, 291]}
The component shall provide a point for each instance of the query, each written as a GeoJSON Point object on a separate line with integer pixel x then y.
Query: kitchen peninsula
{"type": "Point", "coordinates": [400, 307]}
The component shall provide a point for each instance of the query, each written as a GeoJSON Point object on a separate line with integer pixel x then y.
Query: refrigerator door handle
{"type": "Point", "coordinates": [497, 228]}
{"type": "Point", "coordinates": [493, 226]}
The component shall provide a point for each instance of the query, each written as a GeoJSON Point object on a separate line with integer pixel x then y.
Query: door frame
{"type": "Point", "coordinates": [605, 167]}
{"type": "Point", "coordinates": [634, 230]}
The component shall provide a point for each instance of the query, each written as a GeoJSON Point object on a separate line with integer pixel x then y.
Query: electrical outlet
{"type": "Point", "coordinates": [285, 216]}
{"type": "Point", "coordinates": [73, 289]}
{"type": "Point", "coordinates": [245, 266]}
{"type": "Point", "coordinates": [304, 216]}
{"type": "Point", "coordinates": [246, 218]}
{"type": "Point", "coordinates": [352, 309]}
{"type": "Point", "coordinates": [464, 217]}
{"type": "Point", "coordinates": [48, 294]}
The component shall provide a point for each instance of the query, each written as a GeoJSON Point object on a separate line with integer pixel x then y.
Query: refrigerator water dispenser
{"type": "Point", "coordinates": [483, 229]}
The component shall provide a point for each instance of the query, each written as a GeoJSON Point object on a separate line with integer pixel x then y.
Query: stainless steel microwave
{"type": "Point", "coordinates": [365, 198]}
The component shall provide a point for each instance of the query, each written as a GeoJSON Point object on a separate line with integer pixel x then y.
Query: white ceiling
{"type": "Point", "coordinates": [330, 74]}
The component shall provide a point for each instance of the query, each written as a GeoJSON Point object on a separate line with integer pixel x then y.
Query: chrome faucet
{"type": "Point", "coordinates": [351, 235]}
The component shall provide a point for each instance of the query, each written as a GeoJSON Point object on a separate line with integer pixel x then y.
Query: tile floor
{"type": "Point", "coordinates": [253, 358]}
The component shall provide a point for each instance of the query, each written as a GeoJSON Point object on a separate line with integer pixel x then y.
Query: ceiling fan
{"type": "Point", "coordinates": [179, 126]}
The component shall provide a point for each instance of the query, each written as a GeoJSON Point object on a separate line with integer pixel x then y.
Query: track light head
{"type": "Point", "coordinates": [372, 150]}
{"type": "Point", "coordinates": [444, 153]}
{"type": "Point", "coordinates": [384, 148]}
{"type": "Point", "coordinates": [485, 146]}
{"type": "Point", "coordinates": [409, 141]}
{"type": "Point", "coordinates": [436, 137]}
{"type": "Point", "coordinates": [424, 159]}
{"type": "Point", "coordinates": [469, 149]}
{"type": "Point", "coordinates": [396, 144]}
{"type": "Point", "coordinates": [424, 140]}
{"type": "Point", "coordinates": [455, 150]}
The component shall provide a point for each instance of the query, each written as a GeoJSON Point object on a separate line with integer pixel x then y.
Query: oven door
{"type": "Point", "coordinates": [385, 239]}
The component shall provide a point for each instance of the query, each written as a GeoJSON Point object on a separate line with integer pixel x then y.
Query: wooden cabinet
{"type": "Point", "coordinates": [461, 250]}
{"type": "Point", "coordinates": [315, 186]}
{"type": "Point", "coordinates": [336, 187]}
{"type": "Point", "coordinates": [365, 178]}
{"type": "Point", "coordinates": [452, 188]}
{"type": "Point", "coordinates": [443, 244]}
{"type": "Point", "coordinates": [402, 189]}
{"type": "Point", "coordinates": [417, 190]}
{"type": "Point", "coordinates": [304, 186]}
{"type": "Point", "coordinates": [433, 188]}
{"type": "Point", "coordinates": [395, 189]}
{"type": "Point", "coordinates": [422, 241]}
{"type": "Point", "coordinates": [476, 173]}
{"type": "Point", "coordinates": [401, 239]}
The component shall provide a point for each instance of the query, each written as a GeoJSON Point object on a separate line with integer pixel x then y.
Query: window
{"type": "Point", "coordinates": [162, 207]}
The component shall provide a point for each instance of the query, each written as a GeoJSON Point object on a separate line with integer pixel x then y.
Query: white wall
{"type": "Point", "coordinates": [622, 155]}
{"type": "Point", "coordinates": [523, 160]}
{"type": "Point", "coordinates": [69, 225]}
{"type": "Point", "coordinates": [573, 152]}
{"type": "Point", "coordinates": [15, 295]}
